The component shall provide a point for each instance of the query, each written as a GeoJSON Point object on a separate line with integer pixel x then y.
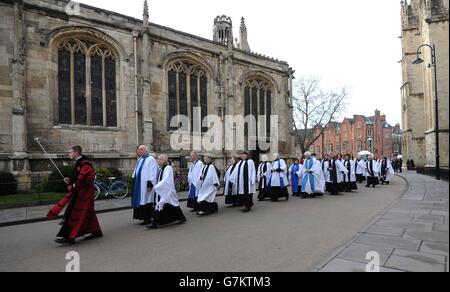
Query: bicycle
{"type": "Point", "coordinates": [181, 182]}
{"type": "Point", "coordinates": [116, 188]}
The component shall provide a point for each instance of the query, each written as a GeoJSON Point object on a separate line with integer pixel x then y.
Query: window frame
{"type": "Point", "coordinates": [261, 85]}
{"type": "Point", "coordinates": [191, 69]}
{"type": "Point", "coordinates": [90, 47]}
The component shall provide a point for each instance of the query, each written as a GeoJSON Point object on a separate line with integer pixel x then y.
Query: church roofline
{"type": "Point", "coordinates": [139, 23]}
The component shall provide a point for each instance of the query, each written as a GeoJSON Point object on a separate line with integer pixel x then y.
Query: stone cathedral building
{"type": "Point", "coordinates": [76, 74]}
{"type": "Point", "coordinates": [425, 22]}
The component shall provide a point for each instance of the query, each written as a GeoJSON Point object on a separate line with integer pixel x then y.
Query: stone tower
{"type": "Point", "coordinates": [243, 43]}
{"type": "Point", "coordinates": [424, 22]}
{"type": "Point", "coordinates": [223, 30]}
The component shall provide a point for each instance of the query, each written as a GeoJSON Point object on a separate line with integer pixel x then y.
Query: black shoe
{"type": "Point", "coordinates": [202, 213]}
{"type": "Point", "coordinates": [151, 226]}
{"type": "Point", "coordinates": [247, 209]}
{"type": "Point", "coordinates": [233, 206]}
{"type": "Point", "coordinates": [65, 241]}
{"type": "Point", "coordinates": [145, 222]}
{"type": "Point", "coordinates": [181, 222]}
{"type": "Point", "coordinates": [94, 236]}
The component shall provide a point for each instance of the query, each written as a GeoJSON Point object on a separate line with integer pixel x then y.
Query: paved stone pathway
{"type": "Point", "coordinates": [411, 236]}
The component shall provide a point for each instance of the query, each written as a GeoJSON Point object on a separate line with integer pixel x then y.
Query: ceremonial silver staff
{"type": "Point", "coordinates": [54, 164]}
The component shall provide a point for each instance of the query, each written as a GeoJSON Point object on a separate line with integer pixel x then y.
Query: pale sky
{"type": "Point", "coordinates": [352, 43]}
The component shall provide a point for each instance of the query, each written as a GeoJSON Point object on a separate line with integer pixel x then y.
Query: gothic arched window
{"type": "Point", "coordinates": [86, 83]}
{"type": "Point", "coordinates": [188, 90]}
{"type": "Point", "coordinates": [258, 102]}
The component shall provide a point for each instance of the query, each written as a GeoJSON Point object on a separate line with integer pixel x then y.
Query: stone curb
{"type": "Point", "coordinates": [317, 267]}
{"type": "Point", "coordinates": [43, 219]}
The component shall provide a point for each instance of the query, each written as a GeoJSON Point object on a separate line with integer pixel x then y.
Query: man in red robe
{"type": "Point", "coordinates": [79, 218]}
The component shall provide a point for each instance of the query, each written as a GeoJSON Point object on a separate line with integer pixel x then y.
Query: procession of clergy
{"type": "Point", "coordinates": [155, 200]}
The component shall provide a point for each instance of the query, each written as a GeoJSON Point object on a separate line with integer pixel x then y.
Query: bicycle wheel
{"type": "Point", "coordinates": [118, 190]}
{"type": "Point", "coordinates": [178, 187]}
{"type": "Point", "coordinates": [97, 192]}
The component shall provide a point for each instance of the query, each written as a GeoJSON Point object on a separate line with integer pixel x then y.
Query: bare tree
{"type": "Point", "coordinates": [314, 109]}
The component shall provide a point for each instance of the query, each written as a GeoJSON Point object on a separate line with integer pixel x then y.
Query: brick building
{"type": "Point", "coordinates": [359, 133]}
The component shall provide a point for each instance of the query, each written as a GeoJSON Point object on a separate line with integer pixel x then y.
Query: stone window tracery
{"type": "Point", "coordinates": [86, 83]}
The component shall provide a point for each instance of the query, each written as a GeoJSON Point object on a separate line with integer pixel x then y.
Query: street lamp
{"type": "Point", "coordinates": [436, 105]}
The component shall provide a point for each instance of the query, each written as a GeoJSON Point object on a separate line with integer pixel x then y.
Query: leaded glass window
{"type": "Point", "coordinates": [258, 102]}
{"type": "Point", "coordinates": [86, 83]}
{"type": "Point", "coordinates": [188, 89]}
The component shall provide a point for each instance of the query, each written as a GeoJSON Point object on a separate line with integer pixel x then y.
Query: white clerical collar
{"type": "Point", "coordinates": [79, 157]}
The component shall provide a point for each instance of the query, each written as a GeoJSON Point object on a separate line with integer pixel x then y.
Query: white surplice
{"type": "Point", "coordinates": [228, 179]}
{"type": "Point", "coordinates": [352, 173]}
{"type": "Point", "coordinates": [312, 171]}
{"type": "Point", "coordinates": [194, 174]}
{"type": "Point", "coordinates": [239, 179]}
{"type": "Point", "coordinates": [165, 189]}
{"type": "Point", "coordinates": [208, 185]}
{"type": "Point", "coordinates": [276, 177]}
{"type": "Point", "coordinates": [149, 173]}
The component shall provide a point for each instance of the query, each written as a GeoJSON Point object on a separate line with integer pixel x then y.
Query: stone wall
{"type": "Point", "coordinates": [46, 24]}
{"type": "Point", "coordinates": [425, 24]}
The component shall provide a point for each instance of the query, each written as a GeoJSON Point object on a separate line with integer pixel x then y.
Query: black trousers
{"type": "Point", "coordinates": [169, 214]}
{"type": "Point", "coordinates": [246, 200]}
{"type": "Point", "coordinates": [143, 212]}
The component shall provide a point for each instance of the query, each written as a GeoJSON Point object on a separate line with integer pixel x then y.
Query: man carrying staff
{"type": "Point", "coordinates": [80, 218]}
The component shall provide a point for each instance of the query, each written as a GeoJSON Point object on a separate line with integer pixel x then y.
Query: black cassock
{"type": "Point", "coordinates": [230, 199]}
{"type": "Point", "coordinates": [372, 178]}
{"type": "Point", "coordinates": [169, 213]}
{"type": "Point", "coordinates": [263, 188]}
{"type": "Point", "coordinates": [333, 186]}
{"type": "Point", "coordinates": [349, 185]}
{"type": "Point", "coordinates": [245, 195]}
